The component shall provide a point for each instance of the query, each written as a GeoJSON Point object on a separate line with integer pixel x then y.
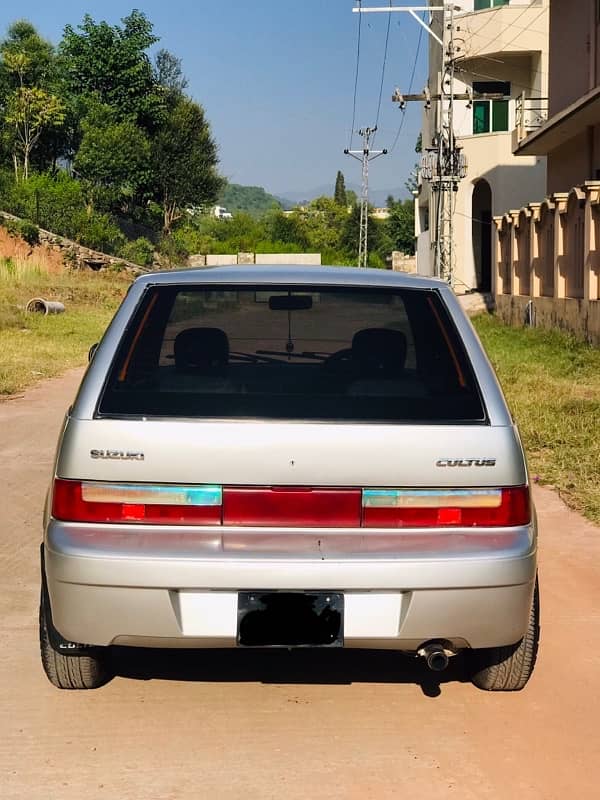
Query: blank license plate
{"type": "Point", "coordinates": [290, 619]}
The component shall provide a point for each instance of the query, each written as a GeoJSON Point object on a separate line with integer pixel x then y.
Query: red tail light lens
{"type": "Point", "coordinates": [468, 508]}
{"type": "Point", "coordinates": [164, 504]}
{"type": "Point", "coordinates": [297, 507]}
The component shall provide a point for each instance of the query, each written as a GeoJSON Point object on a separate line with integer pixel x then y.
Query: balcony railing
{"type": "Point", "coordinates": [530, 114]}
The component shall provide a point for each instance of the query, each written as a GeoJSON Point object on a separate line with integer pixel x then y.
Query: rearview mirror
{"type": "Point", "coordinates": [291, 302]}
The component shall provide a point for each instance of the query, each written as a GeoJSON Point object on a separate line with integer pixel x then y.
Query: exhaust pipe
{"type": "Point", "coordinates": [435, 656]}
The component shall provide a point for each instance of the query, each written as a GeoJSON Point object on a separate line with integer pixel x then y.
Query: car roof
{"type": "Point", "coordinates": [292, 274]}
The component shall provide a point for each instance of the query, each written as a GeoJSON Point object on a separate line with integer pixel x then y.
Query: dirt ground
{"type": "Point", "coordinates": [42, 255]}
{"type": "Point", "coordinates": [288, 725]}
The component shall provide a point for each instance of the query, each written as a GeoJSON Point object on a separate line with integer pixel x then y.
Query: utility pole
{"type": "Point", "coordinates": [449, 172]}
{"type": "Point", "coordinates": [443, 165]}
{"type": "Point", "coordinates": [364, 156]}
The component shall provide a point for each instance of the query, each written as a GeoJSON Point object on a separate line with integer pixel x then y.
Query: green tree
{"type": "Point", "coordinates": [324, 221]}
{"type": "Point", "coordinates": [339, 194]}
{"type": "Point", "coordinates": [401, 225]}
{"type": "Point", "coordinates": [114, 156]}
{"type": "Point", "coordinates": [286, 228]}
{"type": "Point", "coordinates": [184, 161]}
{"type": "Point", "coordinates": [29, 110]}
{"type": "Point", "coordinates": [30, 107]}
{"type": "Point", "coordinates": [26, 59]}
{"type": "Point", "coordinates": [168, 72]}
{"type": "Point", "coordinates": [110, 63]}
{"type": "Point", "coordinates": [378, 242]}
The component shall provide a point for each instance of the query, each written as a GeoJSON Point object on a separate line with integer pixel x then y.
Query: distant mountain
{"type": "Point", "coordinates": [252, 199]}
{"type": "Point", "coordinates": [377, 197]}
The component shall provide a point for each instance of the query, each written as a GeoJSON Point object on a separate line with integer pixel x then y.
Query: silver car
{"type": "Point", "coordinates": [290, 457]}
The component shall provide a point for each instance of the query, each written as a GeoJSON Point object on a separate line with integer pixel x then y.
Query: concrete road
{"type": "Point", "coordinates": [288, 725]}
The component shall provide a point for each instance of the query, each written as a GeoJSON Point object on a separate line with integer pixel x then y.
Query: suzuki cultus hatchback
{"type": "Point", "coordinates": [290, 457]}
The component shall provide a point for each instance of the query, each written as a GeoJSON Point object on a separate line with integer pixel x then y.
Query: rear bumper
{"type": "Point", "coordinates": [179, 588]}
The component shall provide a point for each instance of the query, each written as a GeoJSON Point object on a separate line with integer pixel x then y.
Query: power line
{"type": "Point", "coordinates": [410, 85]}
{"type": "Point", "coordinates": [355, 78]}
{"type": "Point", "coordinates": [385, 51]}
{"type": "Point", "coordinates": [519, 28]}
{"type": "Point", "coordinates": [477, 74]}
{"type": "Point", "coordinates": [364, 156]}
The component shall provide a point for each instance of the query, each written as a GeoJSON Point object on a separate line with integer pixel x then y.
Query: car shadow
{"type": "Point", "coordinates": [283, 666]}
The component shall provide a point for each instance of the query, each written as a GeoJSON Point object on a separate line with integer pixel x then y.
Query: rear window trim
{"type": "Point", "coordinates": [278, 287]}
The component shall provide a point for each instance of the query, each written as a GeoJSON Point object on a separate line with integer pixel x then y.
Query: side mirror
{"type": "Point", "coordinates": [92, 350]}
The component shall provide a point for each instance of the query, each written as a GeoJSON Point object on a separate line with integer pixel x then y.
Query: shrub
{"type": "Point", "coordinates": [99, 232]}
{"type": "Point", "coordinates": [29, 231]}
{"type": "Point", "coordinates": [140, 251]}
{"type": "Point", "coordinates": [59, 204]}
{"type": "Point", "coordinates": [23, 228]}
{"type": "Point", "coordinates": [173, 251]}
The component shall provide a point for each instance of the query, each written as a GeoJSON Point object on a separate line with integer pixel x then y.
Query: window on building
{"type": "Point", "coordinates": [481, 4]}
{"type": "Point", "coordinates": [490, 116]}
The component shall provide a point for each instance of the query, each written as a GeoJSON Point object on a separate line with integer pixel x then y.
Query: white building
{"type": "Point", "coordinates": [220, 212]}
{"type": "Point", "coordinates": [502, 49]}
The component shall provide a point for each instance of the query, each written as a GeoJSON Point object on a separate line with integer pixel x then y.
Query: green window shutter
{"type": "Point", "coordinates": [481, 116]}
{"type": "Point", "coordinates": [500, 2]}
{"type": "Point", "coordinates": [500, 115]}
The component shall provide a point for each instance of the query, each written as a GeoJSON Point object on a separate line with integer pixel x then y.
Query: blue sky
{"type": "Point", "coordinates": [277, 80]}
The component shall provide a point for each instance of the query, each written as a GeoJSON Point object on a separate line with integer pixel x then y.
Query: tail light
{"type": "Point", "coordinates": [301, 507]}
{"type": "Point", "coordinates": [290, 506]}
{"type": "Point", "coordinates": [460, 508]}
{"type": "Point", "coordinates": [82, 501]}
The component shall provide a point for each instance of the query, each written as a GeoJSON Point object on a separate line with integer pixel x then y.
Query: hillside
{"type": "Point", "coordinates": [252, 199]}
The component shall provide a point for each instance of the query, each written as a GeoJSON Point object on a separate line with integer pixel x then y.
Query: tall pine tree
{"type": "Point", "coordinates": [339, 194]}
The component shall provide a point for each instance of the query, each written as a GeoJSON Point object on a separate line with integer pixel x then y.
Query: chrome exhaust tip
{"type": "Point", "coordinates": [435, 655]}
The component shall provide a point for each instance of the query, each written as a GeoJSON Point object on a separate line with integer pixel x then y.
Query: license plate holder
{"type": "Point", "coordinates": [290, 619]}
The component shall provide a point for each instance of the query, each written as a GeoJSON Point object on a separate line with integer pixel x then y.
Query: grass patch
{"type": "Point", "coordinates": [33, 346]}
{"type": "Point", "coordinates": [552, 385]}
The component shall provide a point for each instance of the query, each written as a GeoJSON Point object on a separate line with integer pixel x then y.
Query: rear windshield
{"type": "Point", "coordinates": [309, 353]}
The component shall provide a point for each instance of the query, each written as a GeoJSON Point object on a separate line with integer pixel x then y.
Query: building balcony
{"type": "Point", "coordinates": [560, 128]}
{"type": "Point", "coordinates": [517, 27]}
{"type": "Point", "coordinates": [531, 113]}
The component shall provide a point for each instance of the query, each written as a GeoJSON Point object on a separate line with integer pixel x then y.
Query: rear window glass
{"type": "Point", "coordinates": [307, 353]}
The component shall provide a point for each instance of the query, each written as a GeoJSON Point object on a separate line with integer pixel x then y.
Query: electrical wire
{"type": "Point", "coordinates": [488, 77]}
{"type": "Point", "coordinates": [519, 29]}
{"type": "Point", "coordinates": [359, 15]}
{"type": "Point", "coordinates": [491, 17]}
{"type": "Point", "coordinates": [410, 86]}
{"type": "Point", "coordinates": [385, 51]}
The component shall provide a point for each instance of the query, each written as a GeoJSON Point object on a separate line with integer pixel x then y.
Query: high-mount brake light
{"type": "Point", "coordinates": [446, 508]}
{"type": "Point", "coordinates": [151, 504]}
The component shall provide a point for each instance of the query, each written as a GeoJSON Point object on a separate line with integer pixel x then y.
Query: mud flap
{"type": "Point", "coordinates": [58, 642]}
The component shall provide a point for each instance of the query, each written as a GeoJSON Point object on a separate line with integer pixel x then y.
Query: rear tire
{"type": "Point", "coordinates": [508, 668]}
{"type": "Point", "coordinates": [73, 671]}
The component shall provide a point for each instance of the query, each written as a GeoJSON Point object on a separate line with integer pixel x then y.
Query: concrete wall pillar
{"type": "Point", "coordinates": [515, 274]}
{"type": "Point", "coordinates": [497, 272]}
{"type": "Point", "coordinates": [560, 209]}
{"type": "Point", "coordinates": [591, 244]}
{"type": "Point", "coordinates": [535, 283]}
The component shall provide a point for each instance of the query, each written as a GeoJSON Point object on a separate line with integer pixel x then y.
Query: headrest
{"type": "Point", "coordinates": [381, 351]}
{"type": "Point", "coordinates": [202, 349]}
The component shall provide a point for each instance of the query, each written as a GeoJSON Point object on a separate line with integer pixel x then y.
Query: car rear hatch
{"type": "Point", "coordinates": [294, 407]}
